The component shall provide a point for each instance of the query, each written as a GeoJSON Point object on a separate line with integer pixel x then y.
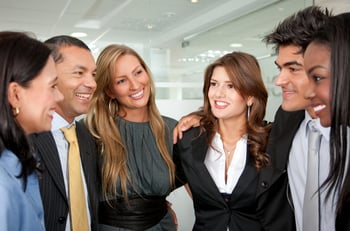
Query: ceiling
{"type": "Point", "coordinates": [178, 30]}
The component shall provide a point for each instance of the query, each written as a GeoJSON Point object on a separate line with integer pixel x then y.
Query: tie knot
{"type": "Point", "coordinates": [69, 133]}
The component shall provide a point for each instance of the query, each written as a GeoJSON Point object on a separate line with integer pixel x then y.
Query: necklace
{"type": "Point", "coordinates": [229, 155]}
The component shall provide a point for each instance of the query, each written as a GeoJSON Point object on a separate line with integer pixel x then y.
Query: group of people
{"type": "Point", "coordinates": [242, 172]}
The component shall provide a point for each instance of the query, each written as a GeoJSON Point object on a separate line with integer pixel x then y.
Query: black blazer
{"type": "Point", "coordinates": [211, 210]}
{"type": "Point", "coordinates": [51, 182]}
{"type": "Point", "coordinates": [275, 206]}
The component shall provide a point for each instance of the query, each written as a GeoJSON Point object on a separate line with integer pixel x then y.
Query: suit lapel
{"type": "Point", "coordinates": [47, 149]}
{"type": "Point", "coordinates": [200, 149]}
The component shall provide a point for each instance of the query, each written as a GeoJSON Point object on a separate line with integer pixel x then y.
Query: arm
{"type": "Point", "coordinates": [186, 122]}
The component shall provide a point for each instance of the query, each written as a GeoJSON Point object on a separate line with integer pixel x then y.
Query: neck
{"type": "Point", "coordinates": [135, 115]}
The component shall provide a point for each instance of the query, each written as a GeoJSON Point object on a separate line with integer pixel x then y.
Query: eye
{"type": "Point", "coordinates": [213, 84]}
{"type": "Point", "coordinates": [120, 81]}
{"type": "Point", "coordinates": [317, 78]}
{"type": "Point", "coordinates": [138, 72]}
{"type": "Point", "coordinates": [230, 85]}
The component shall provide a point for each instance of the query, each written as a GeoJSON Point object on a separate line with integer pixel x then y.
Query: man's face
{"type": "Point", "coordinates": [76, 81]}
{"type": "Point", "coordinates": [292, 78]}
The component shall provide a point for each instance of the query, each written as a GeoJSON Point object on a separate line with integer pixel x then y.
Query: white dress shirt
{"type": "Point", "coordinates": [215, 162]}
{"type": "Point", "coordinates": [297, 173]}
{"type": "Point", "coordinates": [62, 146]}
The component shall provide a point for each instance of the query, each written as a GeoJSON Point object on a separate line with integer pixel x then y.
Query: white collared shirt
{"type": "Point", "coordinates": [215, 162]}
{"type": "Point", "coordinates": [297, 173]}
{"type": "Point", "coordinates": [62, 146]}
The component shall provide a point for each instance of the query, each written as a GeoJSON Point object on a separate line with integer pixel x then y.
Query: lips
{"type": "Point", "coordinates": [319, 108]}
{"type": "Point", "coordinates": [83, 96]}
{"type": "Point", "coordinates": [137, 95]}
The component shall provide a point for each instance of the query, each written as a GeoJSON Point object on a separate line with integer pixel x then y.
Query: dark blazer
{"type": "Point", "coordinates": [275, 206]}
{"type": "Point", "coordinates": [51, 183]}
{"type": "Point", "coordinates": [211, 210]}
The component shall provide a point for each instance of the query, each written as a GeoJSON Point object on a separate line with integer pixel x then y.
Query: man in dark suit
{"type": "Point", "coordinates": [282, 184]}
{"type": "Point", "coordinates": [76, 70]}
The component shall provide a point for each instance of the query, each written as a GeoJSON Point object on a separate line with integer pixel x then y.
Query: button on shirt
{"type": "Point", "coordinates": [62, 146]}
{"type": "Point", "coordinates": [297, 173]}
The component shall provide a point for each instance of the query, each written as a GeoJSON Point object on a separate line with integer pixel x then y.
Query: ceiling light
{"type": "Point", "coordinates": [78, 34]}
{"type": "Point", "coordinates": [194, 1]}
{"type": "Point", "coordinates": [236, 45]}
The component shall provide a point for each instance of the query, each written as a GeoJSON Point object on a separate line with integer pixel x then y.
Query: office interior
{"type": "Point", "coordinates": [177, 39]}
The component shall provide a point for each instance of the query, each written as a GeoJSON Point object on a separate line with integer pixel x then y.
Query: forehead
{"type": "Point", "coordinates": [316, 53]}
{"type": "Point", "coordinates": [77, 56]}
{"type": "Point", "coordinates": [289, 54]}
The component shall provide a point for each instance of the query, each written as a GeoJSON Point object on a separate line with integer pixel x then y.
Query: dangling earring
{"type": "Point", "coordinates": [16, 111]}
{"type": "Point", "coordinates": [248, 112]}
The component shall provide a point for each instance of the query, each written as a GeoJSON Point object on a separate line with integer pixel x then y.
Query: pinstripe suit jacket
{"type": "Point", "coordinates": [52, 186]}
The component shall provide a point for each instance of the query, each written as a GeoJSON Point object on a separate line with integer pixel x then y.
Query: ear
{"type": "Point", "coordinates": [110, 93]}
{"type": "Point", "coordinates": [250, 101]}
{"type": "Point", "coordinates": [13, 94]}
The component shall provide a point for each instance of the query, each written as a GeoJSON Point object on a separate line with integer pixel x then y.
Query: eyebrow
{"type": "Point", "coordinates": [54, 80]}
{"type": "Point", "coordinates": [315, 67]}
{"type": "Point", "coordinates": [289, 64]}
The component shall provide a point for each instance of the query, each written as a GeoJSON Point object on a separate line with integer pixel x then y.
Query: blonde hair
{"type": "Point", "coordinates": [101, 121]}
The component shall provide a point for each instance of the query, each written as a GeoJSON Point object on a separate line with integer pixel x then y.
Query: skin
{"type": "Point", "coordinates": [292, 78]}
{"type": "Point", "coordinates": [131, 87]}
{"type": "Point", "coordinates": [37, 102]}
{"type": "Point", "coordinates": [226, 102]}
{"type": "Point", "coordinates": [76, 81]}
{"type": "Point", "coordinates": [317, 66]}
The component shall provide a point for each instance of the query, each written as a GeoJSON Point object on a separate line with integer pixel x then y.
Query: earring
{"type": "Point", "coordinates": [248, 112]}
{"type": "Point", "coordinates": [16, 111]}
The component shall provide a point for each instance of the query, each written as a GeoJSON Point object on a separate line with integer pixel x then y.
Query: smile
{"type": "Point", "coordinates": [137, 95]}
{"type": "Point", "coordinates": [83, 96]}
{"type": "Point", "coordinates": [319, 108]}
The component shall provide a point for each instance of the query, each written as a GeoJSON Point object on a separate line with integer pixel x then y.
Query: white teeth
{"type": "Point", "coordinates": [83, 96]}
{"type": "Point", "coordinates": [138, 94]}
{"type": "Point", "coordinates": [319, 107]}
{"type": "Point", "coordinates": [220, 103]}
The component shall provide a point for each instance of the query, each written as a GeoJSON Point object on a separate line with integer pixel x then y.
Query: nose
{"type": "Point", "coordinates": [310, 91]}
{"type": "Point", "coordinates": [281, 78]}
{"type": "Point", "coordinates": [220, 91]}
{"type": "Point", "coordinates": [133, 84]}
{"type": "Point", "coordinates": [90, 82]}
{"type": "Point", "coordinates": [58, 97]}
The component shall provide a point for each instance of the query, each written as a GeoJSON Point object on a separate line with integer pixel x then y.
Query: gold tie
{"type": "Point", "coordinates": [78, 212]}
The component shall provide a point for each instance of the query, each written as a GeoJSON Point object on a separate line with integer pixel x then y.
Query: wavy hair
{"type": "Point", "coordinates": [244, 72]}
{"type": "Point", "coordinates": [101, 121]}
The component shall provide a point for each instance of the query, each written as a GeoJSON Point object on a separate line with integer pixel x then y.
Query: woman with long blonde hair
{"type": "Point", "coordinates": [137, 171]}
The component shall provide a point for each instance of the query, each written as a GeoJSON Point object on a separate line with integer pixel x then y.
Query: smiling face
{"type": "Point", "coordinates": [76, 81]}
{"type": "Point", "coordinates": [37, 102]}
{"type": "Point", "coordinates": [317, 66]}
{"type": "Point", "coordinates": [292, 78]}
{"type": "Point", "coordinates": [131, 87]}
{"type": "Point", "coordinates": [225, 101]}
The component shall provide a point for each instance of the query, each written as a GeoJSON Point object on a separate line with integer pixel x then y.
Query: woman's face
{"type": "Point", "coordinates": [225, 100]}
{"type": "Point", "coordinates": [317, 66]}
{"type": "Point", "coordinates": [131, 85]}
{"type": "Point", "coordinates": [37, 102]}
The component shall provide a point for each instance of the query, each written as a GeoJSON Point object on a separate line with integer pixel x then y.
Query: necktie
{"type": "Point", "coordinates": [77, 203]}
{"type": "Point", "coordinates": [311, 197]}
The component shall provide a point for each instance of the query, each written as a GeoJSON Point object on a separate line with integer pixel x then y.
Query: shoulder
{"type": "Point", "coordinates": [170, 122]}
{"type": "Point", "coordinates": [191, 135]}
